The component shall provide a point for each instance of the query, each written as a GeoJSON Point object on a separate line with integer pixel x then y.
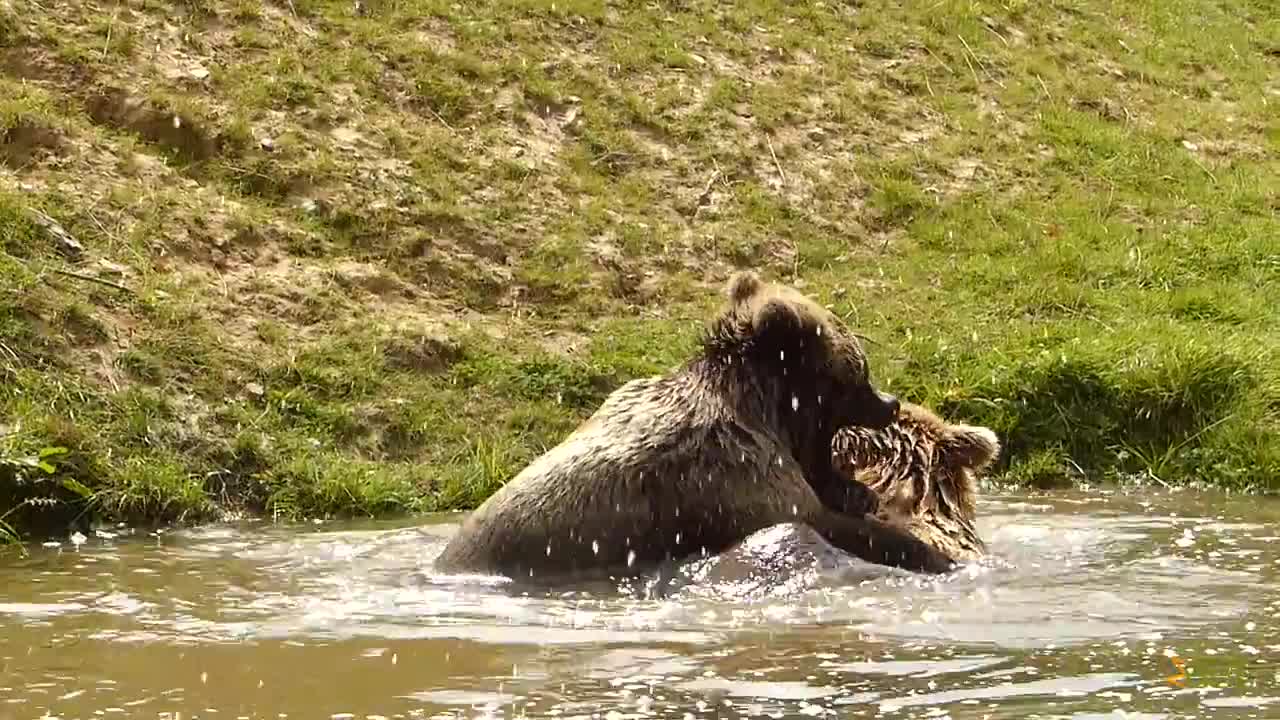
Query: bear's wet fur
{"type": "Point", "coordinates": [924, 473]}
{"type": "Point", "coordinates": [735, 440]}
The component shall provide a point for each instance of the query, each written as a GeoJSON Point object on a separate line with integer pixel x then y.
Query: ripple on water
{"type": "Point", "coordinates": [39, 609]}
{"type": "Point", "coordinates": [1070, 686]}
{"type": "Point", "coordinates": [916, 668]}
{"type": "Point", "coordinates": [1075, 617]}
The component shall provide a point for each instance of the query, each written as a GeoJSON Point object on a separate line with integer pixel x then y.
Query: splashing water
{"type": "Point", "coordinates": [1091, 606]}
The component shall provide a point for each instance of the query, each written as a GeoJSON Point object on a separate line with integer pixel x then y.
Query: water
{"type": "Point", "coordinates": [1090, 603]}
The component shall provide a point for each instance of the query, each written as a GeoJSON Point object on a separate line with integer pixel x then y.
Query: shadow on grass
{"type": "Point", "coordinates": [1190, 414]}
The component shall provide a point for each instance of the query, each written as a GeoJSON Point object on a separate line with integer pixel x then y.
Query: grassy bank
{"type": "Point", "coordinates": [320, 257]}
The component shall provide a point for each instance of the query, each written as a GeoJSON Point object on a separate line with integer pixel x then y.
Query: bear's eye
{"type": "Point", "coordinates": [854, 368]}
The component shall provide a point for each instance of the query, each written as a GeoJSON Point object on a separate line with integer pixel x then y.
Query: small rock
{"type": "Point", "coordinates": [965, 169]}
{"type": "Point", "coordinates": [254, 388]}
{"type": "Point", "coordinates": [67, 244]}
{"type": "Point", "coordinates": [1190, 145]}
{"type": "Point", "coordinates": [267, 143]}
{"type": "Point", "coordinates": [111, 267]}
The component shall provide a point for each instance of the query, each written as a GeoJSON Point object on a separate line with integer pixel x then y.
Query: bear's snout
{"type": "Point", "coordinates": [869, 408]}
{"type": "Point", "coordinates": [891, 405]}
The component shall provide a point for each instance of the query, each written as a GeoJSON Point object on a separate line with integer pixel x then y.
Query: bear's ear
{"type": "Point", "coordinates": [777, 323]}
{"type": "Point", "coordinates": [743, 286]}
{"type": "Point", "coordinates": [969, 446]}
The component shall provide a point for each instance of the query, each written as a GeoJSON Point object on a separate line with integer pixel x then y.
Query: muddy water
{"type": "Point", "coordinates": [1091, 603]}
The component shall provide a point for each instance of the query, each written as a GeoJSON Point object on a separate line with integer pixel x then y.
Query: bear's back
{"type": "Point", "coordinates": [649, 476]}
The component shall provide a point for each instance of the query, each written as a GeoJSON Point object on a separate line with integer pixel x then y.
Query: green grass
{"type": "Point", "coordinates": [384, 260]}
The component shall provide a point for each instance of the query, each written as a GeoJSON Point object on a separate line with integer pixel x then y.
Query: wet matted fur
{"type": "Point", "coordinates": [924, 472]}
{"type": "Point", "coordinates": [735, 440]}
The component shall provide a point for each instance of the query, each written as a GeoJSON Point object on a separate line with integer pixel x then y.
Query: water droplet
{"type": "Point", "coordinates": [548, 549]}
{"type": "Point", "coordinates": [631, 558]}
{"type": "Point", "coordinates": [595, 547]}
{"type": "Point", "coordinates": [819, 399]}
{"type": "Point", "coordinates": [677, 538]}
{"type": "Point", "coordinates": [795, 510]}
{"type": "Point", "coordinates": [795, 403]}
{"type": "Point", "coordinates": [204, 678]}
{"type": "Point", "coordinates": [819, 331]}
{"type": "Point", "coordinates": [779, 461]}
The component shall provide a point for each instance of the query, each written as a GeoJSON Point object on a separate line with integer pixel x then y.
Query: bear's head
{"type": "Point", "coordinates": [809, 364]}
{"type": "Point", "coordinates": [920, 464]}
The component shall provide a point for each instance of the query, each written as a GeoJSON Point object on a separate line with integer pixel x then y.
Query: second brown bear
{"type": "Point", "coordinates": [923, 471]}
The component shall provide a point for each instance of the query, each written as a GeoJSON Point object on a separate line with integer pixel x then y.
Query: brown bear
{"type": "Point", "coordinates": [735, 440]}
{"type": "Point", "coordinates": [923, 471]}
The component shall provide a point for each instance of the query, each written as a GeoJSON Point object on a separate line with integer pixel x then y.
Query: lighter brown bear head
{"type": "Point", "coordinates": [924, 471]}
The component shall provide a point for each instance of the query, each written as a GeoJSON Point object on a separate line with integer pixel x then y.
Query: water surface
{"type": "Point", "coordinates": [1089, 606]}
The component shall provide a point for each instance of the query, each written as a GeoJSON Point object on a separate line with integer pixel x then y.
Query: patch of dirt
{"type": "Point", "coordinates": [544, 125]}
{"type": "Point", "coordinates": [372, 279]}
{"type": "Point", "coordinates": [115, 108]}
{"type": "Point", "coordinates": [1231, 149]}
{"type": "Point", "coordinates": [655, 143]}
{"type": "Point", "coordinates": [437, 36]}
{"type": "Point", "coordinates": [216, 237]}
{"type": "Point", "coordinates": [424, 351]}
{"type": "Point", "coordinates": [100, 359]}
{"type": "Point", "coordinates": [24, 62]}
{"type": "Point", "coordinates": [26, 143]}
{"type": "Point", "coordinates": [1105, 108]}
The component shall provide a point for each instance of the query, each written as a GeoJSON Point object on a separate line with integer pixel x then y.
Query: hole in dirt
{"type": "Point", "coordinates": [23, 63]}
{"type": "Point", "coordinates": [27, 142]}
{"type": "Point", "coordinates": [426, 353]}
{"type": "Point", "coordinates": [174, 132]}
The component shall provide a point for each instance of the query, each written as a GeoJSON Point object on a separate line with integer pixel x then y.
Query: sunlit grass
{"type": "Point", "coordinates": [385, 259]}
